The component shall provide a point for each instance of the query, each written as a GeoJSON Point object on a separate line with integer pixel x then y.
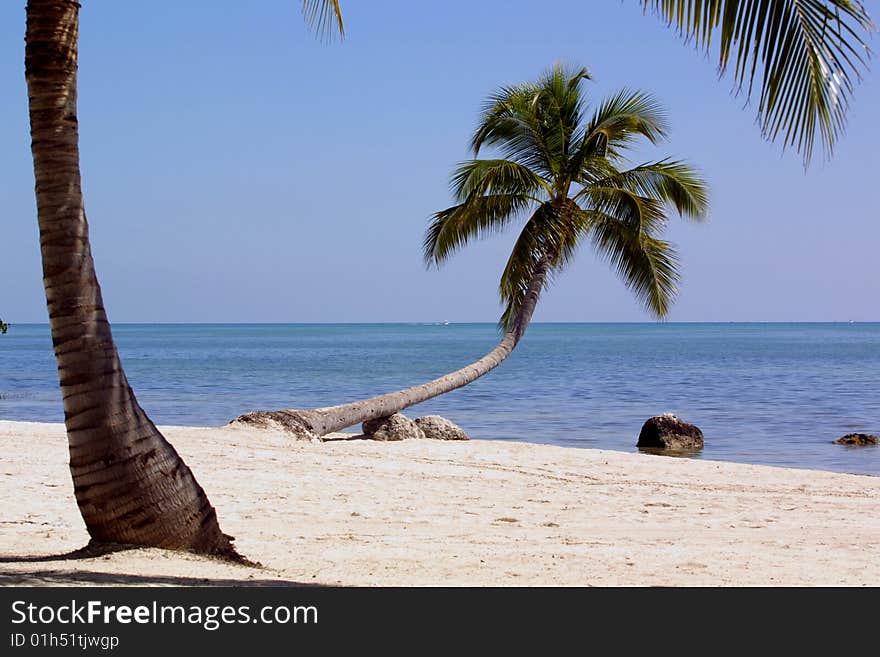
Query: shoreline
{"type": "Point", "coordinates": [476, 513]}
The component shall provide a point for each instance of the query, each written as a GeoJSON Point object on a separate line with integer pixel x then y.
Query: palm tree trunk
{"type": "Point", "coordinates": [321, 421]}
{"type": "Point", "coordinates": [131, 485]}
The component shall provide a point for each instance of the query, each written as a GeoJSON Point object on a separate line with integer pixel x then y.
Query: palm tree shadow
{"type": "Point", "coordinates": [88, 551]}
{"type": "Point", "coordinates": [92, 577]}
{"type": "Point", "coordinates": [93, 550]}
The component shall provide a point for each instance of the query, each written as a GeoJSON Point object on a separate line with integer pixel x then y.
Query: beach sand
{"type": "Point", "coordinates": [358, 512]}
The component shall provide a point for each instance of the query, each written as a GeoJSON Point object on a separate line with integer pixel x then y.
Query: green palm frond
{"type": "Point", "coordinates": [479, 177]}
{"type": "Point", "coordinates": [551, 234]}
{"type": "Point", "coordinates": [521, 266]}
{"type": "Point", "coordinates": [505, 119]}
{"type": "Point", "coordinates": [641, 214]}
{"type": "Point", "coordinates": [647, 265]}
{"type": "Point", "coordinates": [615, 124]}
{"type": "Point", "coordinates": [673, 182]}
{"type": "Point", "coordinates": [324, 16]}
{"type": "Point", "coordinates": [808, 54]}
{"type": "Point", "coordinates": [559, 109]}
{"type": "Point", "coordinates": [454, 227]}
{"type": "Point", "coordinates": [533, 124]}
{"type": "Point", "coordinates": [626, 115]}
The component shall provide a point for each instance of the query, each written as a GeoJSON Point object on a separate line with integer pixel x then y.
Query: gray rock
{"type": "Point", "coordinates": [858, 440]}
{"type": "Point", "coordinates": [290, 422]}
{"type": "Point", "coordinates": [669, 432]}
{"type": "Point", "coordinates": [439, 428]}
{"type": "Point", "coordinates": [394, 427]}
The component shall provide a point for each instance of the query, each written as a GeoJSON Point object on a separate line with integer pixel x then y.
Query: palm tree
{"type": "Point", "coordinates": [3, 326]}
{"type": "Point", "coordinates": [805, 55]}
{"type": "Point", "coordinates": [563, 171]}
{"type": "Point", "coordinates": [131, 485]}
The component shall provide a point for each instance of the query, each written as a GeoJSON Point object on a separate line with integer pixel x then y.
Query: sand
{"type": "Point", "coordinates": [357, 512]}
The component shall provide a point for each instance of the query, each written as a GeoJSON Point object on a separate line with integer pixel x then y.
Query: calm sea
{"type": "Point", "coordinates": [774, 394]}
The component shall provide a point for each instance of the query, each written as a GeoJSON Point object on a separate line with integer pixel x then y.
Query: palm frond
{"type": "Point", "coordinates": [647, 265]}
{"type": "Point", "coordinates": [552, 232]}
{"type": "Point", "coordinates": [480, 177]}
{"type": "Point", "coordinates": [627, 114]}
{"type": "Point", "coordinates": [533, 124]}
{"type": "Point", "coordinates": [672, 182]}
{"type": "Point", "coordinates": [559, 110]}
{"type": "Point", "coordinates": [324, 16]}
{"type": "Point", "coordinates": [500, 117]}
{"type": "Point", "coordinates": [519, 270]}
{"type": "Point", "coordinates": [507, 122]}
{"type": "Point", "coordinates": [809, 53]}
{"type": "Point", "coordinates": [641, 214]}
{"type": "Point", "coordinates": [478, 217]}
{"type": "Point", "coordinates": [615, 124]}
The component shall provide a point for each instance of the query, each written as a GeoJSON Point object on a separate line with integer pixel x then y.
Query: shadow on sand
{"type": "Point", "coordinates": [91, 551]}
{"type": "Point", "coordinates": [87, 577]}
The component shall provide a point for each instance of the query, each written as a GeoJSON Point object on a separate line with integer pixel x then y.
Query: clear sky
{"type": "Point", "coordinates": [237, 169]}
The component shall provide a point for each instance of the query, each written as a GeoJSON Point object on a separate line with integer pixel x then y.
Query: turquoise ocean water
{"type": "Point", "coordinates": [774, 394]}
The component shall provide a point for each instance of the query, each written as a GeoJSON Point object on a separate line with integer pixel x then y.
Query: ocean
{"type": "Point", "coordinates": [774, 394]}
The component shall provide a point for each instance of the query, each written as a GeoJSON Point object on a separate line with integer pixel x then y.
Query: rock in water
{"type": "Point", "coordinates": [394, 427]}
{"type": "Point", "coordinates": [669, 432]}
{"type": "Point", "coordinates": [439, 428]}
{"type": "Point", "coordinates": [858, 440]}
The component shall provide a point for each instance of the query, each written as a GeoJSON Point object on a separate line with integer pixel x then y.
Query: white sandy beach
{"type": "Point", "coordinates": [356, 512]}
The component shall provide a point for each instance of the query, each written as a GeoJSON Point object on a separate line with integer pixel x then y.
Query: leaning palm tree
{"type": "Point", "coordinates": [131, 485]}
{"type": "Point", "coordinates": [564, 172]}
{"type": "Point", "coordinates": [804, 56]}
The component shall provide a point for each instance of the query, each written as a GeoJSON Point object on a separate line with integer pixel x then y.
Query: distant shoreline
{"type": "Point", "coordinates": [478, 323]}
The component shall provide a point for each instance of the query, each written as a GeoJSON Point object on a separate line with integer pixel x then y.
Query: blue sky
{"type": "Point", "coordinates": [237, 169]}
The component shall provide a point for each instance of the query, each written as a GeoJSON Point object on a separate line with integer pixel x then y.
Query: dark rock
{"type": "Point", "coordinates": [394, 427]}
{"type": "Point", "coordinates": [858, 439]}
{"type": "Point", "coordinates": [668, 432]}
{"type": "Point", "coordinates": [436, 427]}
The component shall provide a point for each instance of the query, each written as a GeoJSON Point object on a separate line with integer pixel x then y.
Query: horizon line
{"type": "Point", "coordinates": [444, 322]}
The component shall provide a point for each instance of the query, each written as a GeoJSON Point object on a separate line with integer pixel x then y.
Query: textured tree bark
{"type": "Point", "coordinates": [321, 421]}
{"type": "Point", "coordinates": [131, 485]}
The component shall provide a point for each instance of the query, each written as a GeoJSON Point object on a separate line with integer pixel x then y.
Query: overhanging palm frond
{"type": "Point", "coordinates": [324, 16]}
{"type": "Point", "coordinates": [811, 54]}
{"type": "Point", "coordinates": [478, 217]}
{"type": "Point", "coordinates": [647, 265]}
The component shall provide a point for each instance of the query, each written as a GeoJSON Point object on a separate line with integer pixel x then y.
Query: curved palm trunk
{"type": "Point", "coordinates": [130, 484]}
{"type": "Point", "coordinates": [321, 421]}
